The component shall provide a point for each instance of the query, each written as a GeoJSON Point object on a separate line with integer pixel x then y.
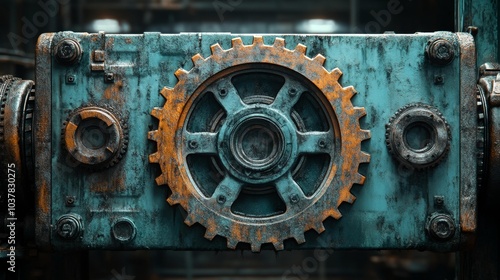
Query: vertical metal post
{"type": "Point", "coordinates": [353, 15]}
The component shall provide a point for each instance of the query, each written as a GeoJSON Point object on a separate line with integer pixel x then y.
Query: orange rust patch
{"type": "Point", "coordinates": [43, 199]}
{"type": "Point", "coordinates": [114, 92]}
{"type": "Point", "coordinates": [116, 184]}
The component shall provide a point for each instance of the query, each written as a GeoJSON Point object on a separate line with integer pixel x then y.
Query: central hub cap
{"type": "Point", "coordinates": [258, 145]}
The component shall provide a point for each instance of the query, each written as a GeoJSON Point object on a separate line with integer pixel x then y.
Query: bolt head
{"type": "Point", "coordinates": [69, 226]}
{"type": "Point", "coordinates": [221, 199]}
{"type": "Point", "coordinates": [294, 198]}
{"type": "Point", "coordinates": [68, 52]}
{"type": "Point", "coordinates": [441, 51]}
{"type": "Point", "coordinates": [441, 227]}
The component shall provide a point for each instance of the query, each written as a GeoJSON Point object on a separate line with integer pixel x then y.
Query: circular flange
{"type": "Point", "coordinates": [418, 136]}
{"type": "Point", "coordinates": [95, 137]}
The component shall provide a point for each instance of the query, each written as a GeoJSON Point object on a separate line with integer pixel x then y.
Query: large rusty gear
{"type": "Point", "coordinates": [341, 142]}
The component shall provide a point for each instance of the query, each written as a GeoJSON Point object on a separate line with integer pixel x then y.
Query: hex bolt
{"type": "Point", "coordinates": [193, 144]}
{"type": "Point", "coordinates": [68, 52]}
{"type": "Point", "coordinates": [441, 227]}
{"type": "Point", "coordinates": [223, 92]}
{"type": "Point", "coordinates": [440, 51]}
{"type": "Point", "coordinates": [221, 199]}
{"type": "Point", "coordinates": [292, 92]}
{"type": "Point", "coordinates": [294, 198]}
{"type": "Point", "coordinates": [69, 226]}
{"type": "Point", "coordinates": [438, 200]}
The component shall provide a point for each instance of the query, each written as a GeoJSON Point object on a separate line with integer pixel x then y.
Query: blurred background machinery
{"type": "Point", "coordinates": [264, 117]}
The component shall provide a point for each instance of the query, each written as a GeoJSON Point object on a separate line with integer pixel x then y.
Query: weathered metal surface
{"type": "Point", "coordinates": [43, 141]}
{"type": "Point", "coordinates": [248, 163]}
{"type": "Point", "coordinates": [483, 16]}
{"type": "Point", "coordinates": [388, 71]}
{"type": "Point", "coordinates": [468, 135]}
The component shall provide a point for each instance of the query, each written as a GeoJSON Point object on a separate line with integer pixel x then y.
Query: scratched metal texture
{"type": "Point", "coordinates": [388, 71]}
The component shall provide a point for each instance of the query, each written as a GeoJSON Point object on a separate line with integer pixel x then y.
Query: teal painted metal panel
{"type": "Point", "coordinates": [388, 72]}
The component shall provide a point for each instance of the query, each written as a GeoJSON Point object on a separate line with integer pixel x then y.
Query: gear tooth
{"type": "Point", "coordinates": [301, 49]}
{"type": "Point", "coordinates": [365, 157]}
{"type": "Point", "coordinates": [258, 40]}
{"type": "Point", "coordinates": [320, 59]}
{"type": "Point", "coordinates": [350, 198]}
{"type": "Point", "coordinates": [349, 91]}
{"type": "Point", "coordinates": [231, 243]}
{"type": "Point", "coordinates": [278, 246]}
{"type": "Point", "coordinates": [161, 180]}
{"type": "Point", "coordinates": [153, 135]}
{"type": "Point", "coordinates": [365, 134]}
{"type": "Point", "coordinates": [210, 234]}
{"type": "Point", "coordinates": [189, 219]}
{"type": "Point", "coordinates": [216, 49]}
{"type": "Point", "coordinates": [255, 247]}
{"type": "Point", "coordinates": [154, 158]}
{"type": "Point", "coordinates": [279, 43]}
{"type": "Point", "coordinates": [299, 237]}
{"type": "Point", "coordinates": [319, 227]}
{"type": "Point", "coordinates": [237, 43]}
{"type": "Point", "coordinates": [360, 112]}
{"type": "Point", "coordinates": [166, 92]}
{"type": "Point", "coordinates": [181, 74]}
{"type": "Point", "coordinates": [197, 59]}
{"type": "Point", "coordinates": [336, 74]}
{"type": "Point", "coordinates": [156, 112]}
{"type": "Point", "coordinates": [359, 179]}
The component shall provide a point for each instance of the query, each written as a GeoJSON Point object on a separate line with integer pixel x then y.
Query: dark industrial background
{"type": "Point", "coordinates": [23, 20]}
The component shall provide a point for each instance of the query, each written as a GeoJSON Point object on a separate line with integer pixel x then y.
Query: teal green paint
{"type": "Point", "coordinates": [388, 71]}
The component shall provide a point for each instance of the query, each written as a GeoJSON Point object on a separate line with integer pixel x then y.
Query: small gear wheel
{"type": "Point", "coordinates": [418, 136]}
{"type": "Point", "coordinates": [96, 137]}
{"type": "Point", "coordinates": [259, 143]}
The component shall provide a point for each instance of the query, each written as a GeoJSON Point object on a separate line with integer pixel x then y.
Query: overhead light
{"type": "Point", "coordinates": [106, 25]}
{"type": "Point", "coordinates": [317, 26]}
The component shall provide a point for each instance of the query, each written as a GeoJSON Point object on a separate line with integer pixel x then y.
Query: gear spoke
{"type": "Point", "coordinates": [227, 95]}
{"type": "Point", "coordinates": [288, 96]}
{"type": "Point", "coordinates": [290, 192]}
{"type": "Point", "coordinates": [315, 142]}
{"type": "Point", "coordinates": [200, 142]}
{"type": "Point", "coordinates": [227, 191]}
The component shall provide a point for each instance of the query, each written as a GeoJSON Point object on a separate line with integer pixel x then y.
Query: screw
{"type": "Point", "coordinates": [222, 92]}
{"type": "Point", "coordinates": [294, 198]}
{"type": "Point", "coordinates": [441, 227]}
{"type": "Point", "coordinates": [322, 143]}
{"type": "Point", "coordinates": [439, 200]}
{"type": "Point", "coordinates": [292, 92]}
{"type": "Point", "coordinates": [221, 199]}
{"type": "Point", "coordinates": [109, 77]}
{"type": "Point", "coordinates": [68, 52]}
{"type": "Point", "coordinates": [193, 144]}
{"type": "Point", "coordinates": [440, 51]}
{"type": "Point", "coordinates": [123, 230]}
{"type": "Point", "coordinates": [70, 200]}
{"type": "Point", "coordinates": [438, 80]}
{"type": "Point", "coordinates": [69, 226]}
{"type": "Point", "coordinates": [70, 79]}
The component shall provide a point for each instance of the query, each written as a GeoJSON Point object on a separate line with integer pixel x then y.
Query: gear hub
{"type": "Point", "coordinates": [259, 143]}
